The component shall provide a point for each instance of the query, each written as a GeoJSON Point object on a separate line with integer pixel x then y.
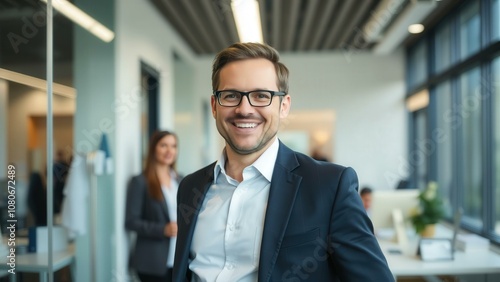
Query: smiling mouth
{"type": "Point", "coordinates": [245, 125]}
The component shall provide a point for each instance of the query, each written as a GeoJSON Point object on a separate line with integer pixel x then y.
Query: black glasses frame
{"type": "Point", "coordinates": [242, 93]}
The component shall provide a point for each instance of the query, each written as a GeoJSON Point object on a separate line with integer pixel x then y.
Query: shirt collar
{"type": "Point", "coordinates": [264, 164]}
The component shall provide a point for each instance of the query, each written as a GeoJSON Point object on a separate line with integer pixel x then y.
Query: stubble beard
{"type": "Point", "coordinates": [244, 151]}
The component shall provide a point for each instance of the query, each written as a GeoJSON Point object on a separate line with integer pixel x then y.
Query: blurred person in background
{"type": "Point", "coordinates": [366, 194]}
{"type": "Point", "coordinates": [151, 210]}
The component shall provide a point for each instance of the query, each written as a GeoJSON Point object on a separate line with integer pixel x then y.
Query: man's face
{"type": "Point", "coordinates": [245, 128]}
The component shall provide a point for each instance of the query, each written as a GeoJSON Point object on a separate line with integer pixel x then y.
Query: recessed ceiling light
{"type": "Point", "coordinates": [416, 28]}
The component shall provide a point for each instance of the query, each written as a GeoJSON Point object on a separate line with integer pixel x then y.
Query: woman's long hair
{"type": "Point", "coordinates": [154, 186]}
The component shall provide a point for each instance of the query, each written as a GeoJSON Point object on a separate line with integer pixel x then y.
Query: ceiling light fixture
{"type": "Point", "coordinates": [414, 12]}
{"type": "Point", "coordinates": [416, 28]}
{"type": "Point", "coordinates": [247, 18]}
{"type": "Point", "coordinates": [82, 19]}
{"type": "Point", "coordinates": [418, 101]}
{"type": "Point", "coordinates": [34, 82]}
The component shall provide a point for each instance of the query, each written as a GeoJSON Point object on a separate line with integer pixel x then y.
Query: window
{"type": "Point", "coordinates": [496, 140]}
{"type": "Point", "coordinates": [469, 109]}
{"type": "Point", "coordinates": [462, 118]}
{"type": "Point", "coordinates": [442, 48]}
{"type": "Point", "coordinates": [418, 59]}
{"type": "Point", "coordinates": [420, 154]}
{"type": "Point", "coordinates": [443, 136]}
{"type": "Point", "coordinates": [495, 23]}
{"type": "Point", "coordinates": [470, 32]}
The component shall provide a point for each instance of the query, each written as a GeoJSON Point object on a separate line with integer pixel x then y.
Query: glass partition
{"type": "Point", "coordinates": [24, 113]}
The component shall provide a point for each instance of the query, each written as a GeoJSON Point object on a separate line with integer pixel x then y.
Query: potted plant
{"type": "Point", "coordinates": [429, 211]}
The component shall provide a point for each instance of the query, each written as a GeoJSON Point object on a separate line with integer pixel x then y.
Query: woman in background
{"type": "Point", "coordinates": [152, 210]}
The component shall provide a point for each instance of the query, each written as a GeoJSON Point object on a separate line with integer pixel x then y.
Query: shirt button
{"type": "Point", "coordinates": [231, 227]}
{"type": "Point", "coordinates": [230, 266]}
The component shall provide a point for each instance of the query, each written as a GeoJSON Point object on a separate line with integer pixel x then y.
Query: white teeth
{"type": "Point", "coordinates": [246, 125]}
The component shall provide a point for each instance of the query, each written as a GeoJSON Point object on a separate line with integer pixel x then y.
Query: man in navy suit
{"type": "Point", "coordinates": [263, 212]}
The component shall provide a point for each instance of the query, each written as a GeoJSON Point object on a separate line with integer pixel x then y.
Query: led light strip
{"type": "Point", "coordinates": [247, 18]}
{"type": "Point", "coordinates": [82, 19]}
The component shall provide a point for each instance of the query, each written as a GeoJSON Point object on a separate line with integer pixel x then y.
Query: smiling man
{"type": "Point", "coordinates": [263, 212]}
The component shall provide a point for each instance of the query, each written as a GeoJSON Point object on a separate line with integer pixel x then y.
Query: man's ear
{"type": "Point", "coordinates": [286, 103]}
{"type": "Point", "coordinates": [212, 102]}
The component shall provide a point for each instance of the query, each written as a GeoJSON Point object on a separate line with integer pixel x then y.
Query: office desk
{"type": "Point", "coordinates": [38, 263]}
{"type": "Point", "coordinates": [409, 264]}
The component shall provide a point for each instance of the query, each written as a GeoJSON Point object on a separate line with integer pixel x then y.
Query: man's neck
{"type": "Point", "coordinates": [236, 163]}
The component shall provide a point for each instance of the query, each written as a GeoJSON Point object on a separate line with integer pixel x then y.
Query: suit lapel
{"type": "Point", "coordinates": [188, 210]}
{"type": "Point", "coordinates": [284, 187]}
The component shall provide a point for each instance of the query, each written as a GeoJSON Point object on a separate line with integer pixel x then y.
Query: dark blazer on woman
{"type": "Point", "coordinates": [315, 228]}
{"type": "Point", "coordinates": [147, 217]}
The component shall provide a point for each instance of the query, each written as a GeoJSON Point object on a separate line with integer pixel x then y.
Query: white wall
{"type": "Point", "coordinates": [365, 91]}
{"type": "Point", "coordinates": [188, 121]}
{"type": "Point", "coordinates": [153, 41]}
{"type": "Point", "coordinates": [202, 80]}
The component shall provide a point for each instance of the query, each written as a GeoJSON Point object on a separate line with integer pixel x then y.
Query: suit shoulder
{"type": "Point", "coordinates": [202, 173]}
{"type": "Point", "coordinates": [307, 161]}
{"type": "Point", "coordinates": [137, 182]}
{"type": "Point", "coordinates": [138, 179]}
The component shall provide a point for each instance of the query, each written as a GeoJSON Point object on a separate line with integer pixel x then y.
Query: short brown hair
{"type": "Point", "coordinates": [243, 51]}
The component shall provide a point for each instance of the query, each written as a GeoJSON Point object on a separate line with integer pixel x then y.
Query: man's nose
{"type": "Point", "coordinates": [245, 105]}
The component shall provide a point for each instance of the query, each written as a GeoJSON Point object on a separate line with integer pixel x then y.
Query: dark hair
{"type": "Point", "coordinates": [154, 186]}
{"type": "Point", "coordinates": [243, 51]}
{"type": "Point", "coordinates": [365, 190]}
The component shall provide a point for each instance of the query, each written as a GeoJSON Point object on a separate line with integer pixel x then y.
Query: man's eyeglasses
{"type": "Point", "coordinates": [256, 98]}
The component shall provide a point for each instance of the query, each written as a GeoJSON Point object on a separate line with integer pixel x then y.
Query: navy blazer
{"type": "Point", "coordinates": [147, 217]}
{"type": "Point", "coordinates": [315, 228]}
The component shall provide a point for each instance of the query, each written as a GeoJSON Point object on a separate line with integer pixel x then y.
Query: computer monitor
{"type": "Point", "coordinates": [385, 202]}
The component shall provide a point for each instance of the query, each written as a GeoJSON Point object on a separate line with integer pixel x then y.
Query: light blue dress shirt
{"type": "Point", "coordinates": [228, 233]}
{"type": "Point", "coordinates": [170, 195]}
